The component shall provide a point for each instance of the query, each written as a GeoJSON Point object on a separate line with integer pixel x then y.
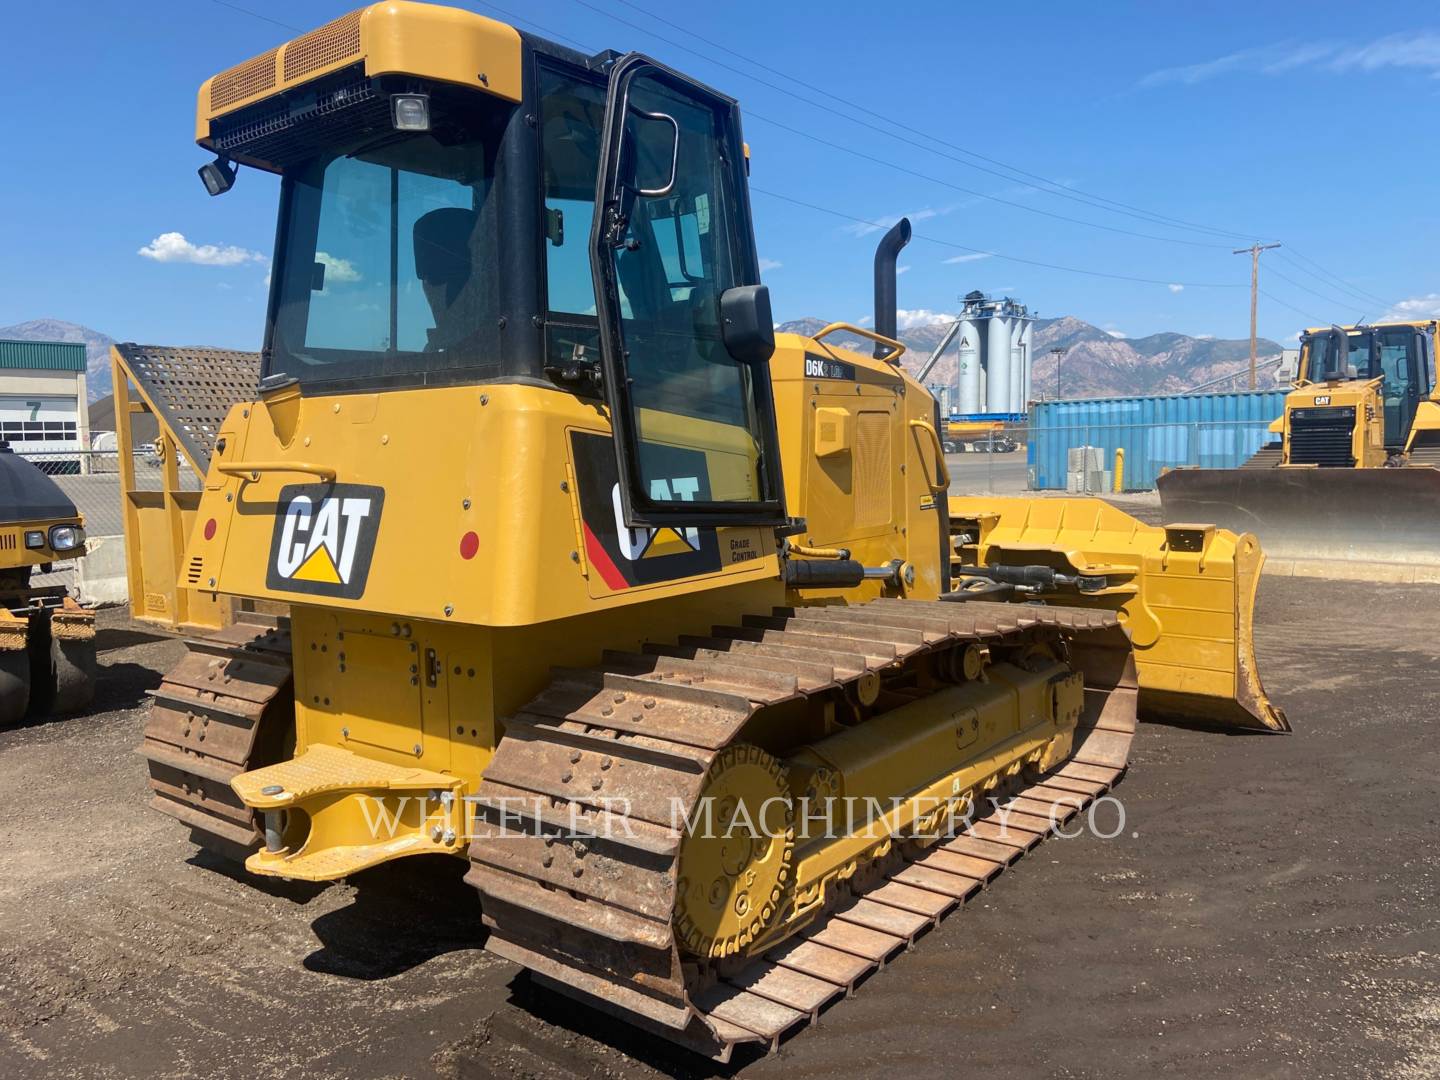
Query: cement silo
{"type": "Point", "coordinates": [967, 374]}
{"type": "Point", "coordinates": [1017, 363]}
{"type": "Point", "coordinates": [1026, 340]}
{"type": "Point", "coordinates": [997, 363]}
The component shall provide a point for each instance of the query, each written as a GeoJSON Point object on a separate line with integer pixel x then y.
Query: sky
{"type": "Point", "coordinates": [1028, 153]}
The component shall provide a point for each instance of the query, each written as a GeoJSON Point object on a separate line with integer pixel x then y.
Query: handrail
{"type": "Point", "coordinates": [942, 471]}
{"type": "Point", "coordinates": [889, 358]}
{"type": "Point", "coordinates": [253, 469]}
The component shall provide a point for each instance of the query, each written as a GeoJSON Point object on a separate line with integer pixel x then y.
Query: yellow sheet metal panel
{"type": "Point", "coordinates": [867, 490]}
{"type": "Point", "coordinates": [425, 40]}
{"type": "Point", "coordinates": [473, 483]}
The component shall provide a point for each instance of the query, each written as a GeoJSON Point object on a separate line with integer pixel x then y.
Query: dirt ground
{"type": "Point", "coordinates": [1270, 911]}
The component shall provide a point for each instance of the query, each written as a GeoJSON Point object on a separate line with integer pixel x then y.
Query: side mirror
{"type": "Point", "coordinates": [746, 324]}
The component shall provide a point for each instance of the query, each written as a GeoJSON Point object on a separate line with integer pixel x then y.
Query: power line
{"type": "Point", "coordinates": [929, 145]}
{"type": "Point", "coordinates": [995, 254]}
{"type": "Point", "coordinates": [1012, 174]}
{"type": "Point", "coordinates": [1332, 300]}
{"type": "Point", "coordinates": [752, 114]}
{"type": "Point", "coordinates": [1315, 320]}
{"type": "Point", "coordinates": [1321, 273]}
{"type": "Point", "coordinates": [257, 15]}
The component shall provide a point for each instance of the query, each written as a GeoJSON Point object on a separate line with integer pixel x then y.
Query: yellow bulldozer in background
{"type": "Point", "coordinates": [1354, 478]}
{"type": "Point", "coordinates": [47, 641]}
{"type": "Point", "coordinates": [600, 584]}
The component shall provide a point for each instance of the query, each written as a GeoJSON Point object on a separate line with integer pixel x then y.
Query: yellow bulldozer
{"type": "Point", "coordinates": [47, 640]}
{"type": "Point", "coordinates": [662, 621]}
{"type": "Point", "coordinates": [1354, 475]}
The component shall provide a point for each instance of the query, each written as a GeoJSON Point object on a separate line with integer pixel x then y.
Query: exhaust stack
{"type": "Point", "coordinates": [885, 255]}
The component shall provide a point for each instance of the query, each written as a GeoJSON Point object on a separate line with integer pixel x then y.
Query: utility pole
{"type": "Point", "coordinates": [1057, 353]}
{"type": "Point", "coordinates": [1254, 251]}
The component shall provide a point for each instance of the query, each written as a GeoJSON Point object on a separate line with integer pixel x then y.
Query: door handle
{"type": "Point", "coordinates": [942, 471]}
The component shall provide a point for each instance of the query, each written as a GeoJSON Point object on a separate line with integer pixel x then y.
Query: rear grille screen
{"type": "Point", "coordinates": [291, 129]}
{"type": "Point", "coordinates": [1322, 437]}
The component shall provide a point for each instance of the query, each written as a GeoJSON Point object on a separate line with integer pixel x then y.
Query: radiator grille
{"type": "Point", "coordinates": [1322, 437]}
{"type": "Point", "coordinates": [331, 43]}
{"type": "Point", "coordinates": [872, 469]}
{"type": "Point", "coordinates": [8, 541]}
{"type": "Point", "coordinates": [192, 572]}
{"type": "Point", "coordinates": [243, 80]}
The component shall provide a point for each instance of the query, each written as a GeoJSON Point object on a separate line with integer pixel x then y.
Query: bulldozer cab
{"type": "Point", "coordinates": [1398, 355]}
{"type": "Point", "coordinates": [402, 261]}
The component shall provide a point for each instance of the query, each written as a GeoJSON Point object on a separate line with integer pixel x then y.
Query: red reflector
{"type": "Point", "coordinates": [469, 545]}
{"type": "Point", "coordinates": [210, 529]}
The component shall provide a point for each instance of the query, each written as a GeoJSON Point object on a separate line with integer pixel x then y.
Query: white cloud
{"type": "Point", "coordinates": [1204, 337]}
{"type": "Point", "coordinates": [1397, 50]}
{"type": "Point", "coordinates": [901, 270]}
{"type": "Point", "coordinates": [1115, 333]}
{"type": "Point", "coordinates": [1417, 50]}
{"type": "Point", "coordinates": [338, 271]}
{"type": "Point", "coordinates": [973, 257]}
{"type": "Point", "coordinates": [909, 320]}
{"type": "Point", "coordinates": [770, 264]}
{"type": "Point", "coordinates": [865, 228]}
{"type": "Point", "coordinates": [173, 247]}
{"type": "Point", "coordinates": [1176, 288]}
{"type": "Point", "coordinates": [1414, 309]}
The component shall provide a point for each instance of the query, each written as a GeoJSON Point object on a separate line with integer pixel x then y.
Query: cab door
{"type": "Point", "coordinates": [685, 326]}
{"type": "Point", "coordinates": [1400, 361]}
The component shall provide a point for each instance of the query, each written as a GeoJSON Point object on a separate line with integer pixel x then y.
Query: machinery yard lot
{"type": "Point", "coordinates": [1269, 911]}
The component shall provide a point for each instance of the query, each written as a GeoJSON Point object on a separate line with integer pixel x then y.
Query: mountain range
{"type": "Point", "coordinates": [1095, 363]}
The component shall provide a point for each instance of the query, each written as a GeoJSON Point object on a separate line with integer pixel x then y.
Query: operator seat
{"type": "Point", "coordinates": [442, 263]}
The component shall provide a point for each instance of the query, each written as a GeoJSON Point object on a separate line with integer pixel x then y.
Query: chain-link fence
{"type": "Point", "coordinates": [149, 466]}
{"type": "Point", "coordinates": [91, 480]}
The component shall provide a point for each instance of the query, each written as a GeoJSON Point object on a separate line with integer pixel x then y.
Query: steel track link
{"type": "Point", "coordinates": [583, 898]}
{"type": "Point", "coordinates": [222, 710]}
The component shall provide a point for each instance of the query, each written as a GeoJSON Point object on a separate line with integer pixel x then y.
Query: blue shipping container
{"type": "Point", "coordinates": [1213, 431]}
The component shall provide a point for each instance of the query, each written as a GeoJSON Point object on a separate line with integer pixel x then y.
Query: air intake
{"type": "Point", "coordinates": [243, 81]}
{"type": "Point", "coordinates": [333, 43]}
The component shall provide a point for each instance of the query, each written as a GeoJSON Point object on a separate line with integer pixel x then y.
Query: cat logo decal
{"type": "Point", "coordinates": [324, 539]}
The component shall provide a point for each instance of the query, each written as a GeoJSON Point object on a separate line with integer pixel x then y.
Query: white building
{"type": "Point", "coordinates": [43, 407]}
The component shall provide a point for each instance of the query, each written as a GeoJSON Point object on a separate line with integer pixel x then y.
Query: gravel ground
{"type": "Point", "coordinates": [1270, 911]}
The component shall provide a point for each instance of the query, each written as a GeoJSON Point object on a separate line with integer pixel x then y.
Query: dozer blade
{"type": "Point", "coordinates": [1320, 522]}
{"type": "Point", "coordinates": [1185, 594]}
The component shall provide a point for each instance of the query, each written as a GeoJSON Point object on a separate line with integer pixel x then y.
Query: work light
{"type": "Point", "coordinates": [410, 112]}
{"type": "Point", "coordinates": [218, 176]}
{"type": "Point", "coordinates": [66, 537]}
